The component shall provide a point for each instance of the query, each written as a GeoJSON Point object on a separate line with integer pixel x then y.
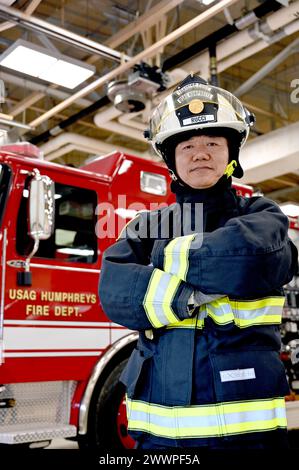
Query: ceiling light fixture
{"type": "Point", "coordinates": [51, 66]}
{"type": "Point", "coordinates": [206, 2]}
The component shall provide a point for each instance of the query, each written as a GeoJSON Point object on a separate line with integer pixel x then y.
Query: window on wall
{"type": "Point", "coordinates": [74, 238]}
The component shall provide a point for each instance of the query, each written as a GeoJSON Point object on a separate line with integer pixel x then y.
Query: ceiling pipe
{"type": "Point", "coordinates": [258, 46]}
{"type": "Point", "coordinates": [101, 103]}
{"type": "Point", "coordinates": [68, 37]}
{"type": "Point", "coordinates": [145, 54]}
{"type": "Point", "coordinates": [283, 193]}
{"type": "Point", "coordinates": [222, 33]}
{"type": "Point", "coordinates": [275, 22]}
{"type": "Point", "coordinates": [29, 10]}
{"type": "Point", "coordinates": [267, 68]}
{"type": "Point", "coordinates": [83, 143]}
{"type": "Point", "coordinates": [70, 120]}
{"type": "Point", "coordinates": [202, 58]}
{"type": "Point", "coordinates": [120, 129]}
{"type": "Point", "coordinates": [108, 114]}
{"type": "Point", "coordinates": [126, 119]}
{"type": "Point", "coordinates": [226, 51]}
{"type": "Point", "coordinates": [243, 40]}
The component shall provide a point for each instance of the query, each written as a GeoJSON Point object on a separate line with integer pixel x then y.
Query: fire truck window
{"type": "Point", "coordinates": [74, 238]}
{"type": "Point", "coordinates": [5, 176]}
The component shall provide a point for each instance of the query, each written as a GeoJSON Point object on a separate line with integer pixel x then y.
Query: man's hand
{"type": "Point", "coordinates": [201, 298]}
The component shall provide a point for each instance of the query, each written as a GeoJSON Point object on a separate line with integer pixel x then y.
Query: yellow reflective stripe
{"type": "Point", "coordinates": [261, 320]}
{"type": "Point", "coordinates": [244, 314]}
{"type": "Point", "coordinates": [247, 313]}
{"type": "Point", "coordinates": [158, 298]}
{"type": "Point", "coordinates": [207, 420]}
{"type": "Point", "coordinates": [176, 256]}
{"type": "Point", "coordinates": [220, 320]}
{"type": "Point", "coordinates": [187, 323]}
{"type": "Point", "coordinates": [168, 254]}
{"type": "Point", "coordinates": [260, 303]}
{"type": "Point", "coordinates": [184, 257]}
{"type": "Point", "coordinates": [207, 410]}
{"type": "Point", "coordinates": [220, 311]}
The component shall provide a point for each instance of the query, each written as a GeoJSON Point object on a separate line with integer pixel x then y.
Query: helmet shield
{"type": "Point", "coordinates": [198, 106]}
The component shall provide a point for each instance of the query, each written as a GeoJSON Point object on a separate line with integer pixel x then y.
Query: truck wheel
{"type": "Point", "coordinates": [107, 418]}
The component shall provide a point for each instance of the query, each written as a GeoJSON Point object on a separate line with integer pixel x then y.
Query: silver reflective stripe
{"type": "Point", "coordinates": [176, 256]}
{"type": "Point", "coordinates": [260, 312]}
{"type": "Point", "coordinates": [158, 299]}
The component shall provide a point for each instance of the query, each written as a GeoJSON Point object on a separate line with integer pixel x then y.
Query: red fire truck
{"type": "Point", "coordinates": [60, 356]}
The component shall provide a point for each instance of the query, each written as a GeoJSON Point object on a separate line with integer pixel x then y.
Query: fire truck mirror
{"type": "Point", "coordinates": [41, 207]}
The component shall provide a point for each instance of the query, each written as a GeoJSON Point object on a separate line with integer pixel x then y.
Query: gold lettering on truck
{"type": "Point", "coordinates": [49, 297]}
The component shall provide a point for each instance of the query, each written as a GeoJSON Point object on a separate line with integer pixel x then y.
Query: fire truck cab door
{"type": "Point", "coordinates": [54, 328]}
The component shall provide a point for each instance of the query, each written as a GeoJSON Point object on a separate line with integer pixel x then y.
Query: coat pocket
{"type": "Point", "coordinates": [135, 374]}
{"type": "Point", "coordinates": [248, 375]}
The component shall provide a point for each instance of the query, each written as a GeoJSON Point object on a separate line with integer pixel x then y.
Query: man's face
{"type": "Point", "coordinates": [201, 160]}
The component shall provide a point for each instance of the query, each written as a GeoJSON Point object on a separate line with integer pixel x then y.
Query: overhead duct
{"type": "Point", "coordinates": [271, 154]}
{"type": "Point", "coordinates": [137, 59]}
{"type": "Point", "coordinates": [226, 50]}
{"type": "Point", "coordinates": [244, 44]}
{"type": "Point", "coordinates": [70, 141]}
{"type": "Point", "coordinates": [222, 33]}
{"type": "Point", "coordinates": [70, 120]}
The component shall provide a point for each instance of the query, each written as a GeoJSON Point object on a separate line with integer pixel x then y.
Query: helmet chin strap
{"type": "Point", "coordinates": [230, 168]}
{"type": "Point", "coordinates": [172, 175]}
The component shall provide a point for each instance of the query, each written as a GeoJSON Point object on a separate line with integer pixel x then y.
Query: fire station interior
{"type": "Point", "coordinates": [131, 53]}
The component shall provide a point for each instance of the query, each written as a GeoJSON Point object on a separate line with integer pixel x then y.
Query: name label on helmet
{"type": "Point", "coordinates": [196, 119]}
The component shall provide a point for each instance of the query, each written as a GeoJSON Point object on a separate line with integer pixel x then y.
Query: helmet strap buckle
{"type": "Point", "coordinates": [172, 175]}
{"type": "Point", "coordinates": [230, 168]}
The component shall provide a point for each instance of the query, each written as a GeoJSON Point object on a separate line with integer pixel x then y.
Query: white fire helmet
{"type": "Point", "coordinates": [197, 106]}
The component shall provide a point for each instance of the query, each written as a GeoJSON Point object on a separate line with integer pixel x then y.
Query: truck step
{"type": "Point", "coordinates": [34, 432]}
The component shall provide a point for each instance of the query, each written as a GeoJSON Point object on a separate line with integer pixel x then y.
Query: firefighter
{"type": "Point", "coordinates": [206, 370]}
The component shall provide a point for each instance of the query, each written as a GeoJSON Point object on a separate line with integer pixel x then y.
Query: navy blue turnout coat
{"type": "Point", "coordinates": [214, 376]}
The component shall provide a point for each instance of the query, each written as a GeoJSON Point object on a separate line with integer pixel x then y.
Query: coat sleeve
{"type": "Point", "coordinates": [136, 294]}
{"type": "Point", "coordinates": [251, 255]}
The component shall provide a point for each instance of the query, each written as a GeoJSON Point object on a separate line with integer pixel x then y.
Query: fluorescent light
{"type": "Point", "coordinates": [206, 2]}
{"type": "Point", "coordinates": [290, 209]}
{"type": "Point", "coordinates": [38, 62]}
{"type": "Point", "coordinates": [66, 74]}
{"type": "Point", "coordinates": [25, 60]}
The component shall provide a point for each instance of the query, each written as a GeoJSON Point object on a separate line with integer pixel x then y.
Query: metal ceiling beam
{"type": "Point", "coordinates": [282, 192]}
{"type": "Point", "coordinates": [73, 39]}
{"type": "Point", "coordinates": [147, 53]}
{"type": "Point", "coordinates": [29, 10]}
{"type": "Point", "coordinates": [267, 68]}
{"type": "Point", "coordinates": [148, 19]}
{"type": "Point", "coordinates": [26, 103]}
